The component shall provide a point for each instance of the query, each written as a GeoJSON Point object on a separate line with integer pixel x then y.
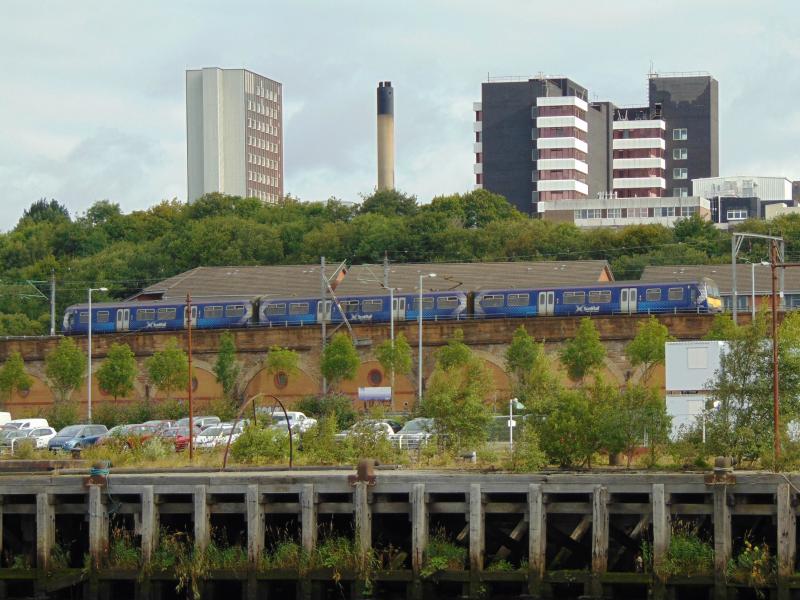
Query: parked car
{"type": "Point", "coordinates": [367, 425]}
{"type": "Point", "coordinates": [39, 437]}
{"type": "Point", "coordinates": [217, 435]}
{"type": "Point", "coordinates": [298, 422]}
{"type": "Point", "coordinates": [34, 423]}
{"type": "Point", "coordinates": [179, 436]}
{"type": "Point", "coordinates": [417, 432]}
{"type": "Point", "coordinates": [71, 436]}
{"type": "Point", "coordinates": [5, 417]}
{"type": "Point", "coordinates": [202, 422]}
{"type": "Point", "coordinates": [160, 425]}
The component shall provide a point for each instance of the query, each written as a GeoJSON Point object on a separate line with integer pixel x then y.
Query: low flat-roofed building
{"type": "Point", "coordinates": [744, 186]}
{"type": "Point", "coordinates": [297, 281]}
{"type": "Point", "coordinates": [620, 212]}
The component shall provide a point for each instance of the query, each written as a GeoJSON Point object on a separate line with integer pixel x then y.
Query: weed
{"type": "Point", "coordinates": [689, 554]}
{"type": "Point", "coordinates": [261, 445]}
{"type": "Point", "coordinates": [442, 555]}
{"type": "Point", "coordinates": [59, 558]}
{"type": "Point", "coordinates": [122, 550]}
{"type": "Point", "coordinates": [500, 566]}
{"type": "Point", "coordinates": [218, 556]}
{"type": "Point", "coordinates": [754, 566]}
{"type": "Point", "coordinates": [20, 562]}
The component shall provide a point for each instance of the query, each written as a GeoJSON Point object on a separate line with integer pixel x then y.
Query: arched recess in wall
{"type": "Point", "coordinates": [288, 387]}
{"type": "Point", "coordinates": [501, 389]}
{"type": "Point", "coordinates": [371, 374]}
{"type": "Point", "coordinates": [38, 398]}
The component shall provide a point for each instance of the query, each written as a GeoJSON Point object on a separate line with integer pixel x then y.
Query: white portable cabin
{"type": "Point", "coordinates": [690, 368]}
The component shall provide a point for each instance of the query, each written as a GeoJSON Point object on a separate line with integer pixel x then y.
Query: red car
{"type": "Point", "coordinates": [179, 436]}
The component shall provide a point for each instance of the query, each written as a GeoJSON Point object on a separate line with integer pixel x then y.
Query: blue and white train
{"type": "Point", "coordinates": [595, 299]}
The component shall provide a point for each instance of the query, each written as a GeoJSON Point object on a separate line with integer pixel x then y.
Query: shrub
{"type": "Point", "coordinates": [366, 442]}
{"type": "Point", "coordinates": [122, 550]}
{"type": "Point", "coordinates": [225, 408]}
{"type": "Point", "coordinates": [527, 455]}
{"type": "Point", "coordinates": [62, 413]}
{"type": "Point", "coordinates": [109, 414]}
{"type": "Point", "coordinates": [319, 446]}
{"type": "Point", "coordinates": [442, 555]}
{"type": "Point", "coordinates": [286, 554]}
{"type": "Point", "coordinates": [325, 406]}
{"type": "Point", "coordinates": [688, 554]}
{"type": "Point", "coordinates": [262, 445]}
{"type": "Point", "coordinates": [24, 449]}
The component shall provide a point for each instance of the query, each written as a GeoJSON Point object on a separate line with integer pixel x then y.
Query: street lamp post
{"type": "Point", "coordinates": [419, 322]}
{"type": "Point", "coordinates": [89, 382]}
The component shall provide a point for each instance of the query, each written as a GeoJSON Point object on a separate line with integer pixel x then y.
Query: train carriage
{"type": "Point", "coordinates": [157, 315]}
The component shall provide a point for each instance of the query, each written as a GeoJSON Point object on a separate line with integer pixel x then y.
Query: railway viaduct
{"type": "Point", "coordinates": [488, 338]}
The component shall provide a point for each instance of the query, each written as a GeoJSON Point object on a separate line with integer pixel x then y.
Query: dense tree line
{"type": "Point", "coordinates": [126, 252]}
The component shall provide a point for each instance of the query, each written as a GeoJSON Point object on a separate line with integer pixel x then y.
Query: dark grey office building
{"type": "Point", "coordinates": [540, 140]}
{"type": "Point", "coordinates": [688, 104]}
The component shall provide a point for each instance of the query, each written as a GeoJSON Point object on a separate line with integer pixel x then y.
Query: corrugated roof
{"type": "Point", "coordinates": [304, 280]}
{"type": "Point", "coordinates": [722, 274]}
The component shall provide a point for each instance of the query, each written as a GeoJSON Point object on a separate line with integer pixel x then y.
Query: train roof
{"type": "Point", "coordinates": [303, 281]}
{"type": "Point", "coordinates": [723, 276]}
{"type": "Point", "coordinates": [589, 286]}
{"type": "Point", "coordinates": [157, 303]}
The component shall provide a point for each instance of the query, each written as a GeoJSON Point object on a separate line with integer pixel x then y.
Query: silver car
{"type": "Point", "coordinates": [415, 433]}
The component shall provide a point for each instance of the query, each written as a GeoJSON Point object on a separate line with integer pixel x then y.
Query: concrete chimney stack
{"type": "Point", "coordinates": [385, 136]}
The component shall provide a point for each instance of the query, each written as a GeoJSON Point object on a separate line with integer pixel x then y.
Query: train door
{"type": "Point", "coordinates": [399, 309]}
{"type": "Point", "coordinates": [627, 300]}
{"type": "Point", "coordinates": [123, 319]}
{"type": "Point", "coordinates": [547, 303]}
{"type": "Point", "coordinates": [194, 317]}
{"type": "Point", "coordinates": [327, 315]}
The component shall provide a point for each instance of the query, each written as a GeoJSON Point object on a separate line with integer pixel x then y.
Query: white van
{"type": "Point", "coordinates": [5, 417]}
{"type": "Point", "coordinates": [26, 424]}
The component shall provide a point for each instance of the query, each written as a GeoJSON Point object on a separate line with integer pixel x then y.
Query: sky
{"type": "Point", "coordinates": [92, 100]}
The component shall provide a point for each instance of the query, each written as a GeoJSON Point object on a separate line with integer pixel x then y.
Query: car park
{"type": "Point", "coordinates": [32, 423]}
{"type": "Point", "coordinates": [71, 436]}
{"type": "Point", "coordinates": [367, 426]}
{"type": "Point", "coordinates": [39, 437]}
{"type": "Point", "coordinates": [159, 425]}
{"type": "Point", "coordinates": [417, 432]}
{"type": "Point", "coordinates": [217, 435]}
{"type": "Point", "coordinates": [298, 422]}
{"type": "Point", "coordinates": [202, 421]}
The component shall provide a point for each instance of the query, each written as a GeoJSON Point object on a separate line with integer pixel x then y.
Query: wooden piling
{"type": "Point", "coordinates": [537, 538]}
{"type": "Point", "coordinates": [363, 517]}
{"type": "Point", "coordinates": [722, 531]}
{"type": "Point", "coordinates": [98, 526]}
{"type": "Point", "coordinates": [600, 529]}
{"type": "Point", "coordinates": [787, 530]}
{"type": "Point", "coordinates": [419, 527]}
{"type": "Point", "coordinates": [45, 529]}
{"type": "Point", "coordinates": [661, 526]}
{"type": "Point", "coordinates": [308, 517]}
{"type": "Point", "coordinates": [202, 523]}
{"type": "Point", "coordinates": [149, 523]}
{"type": "Point", "coordinates": [255, 525]}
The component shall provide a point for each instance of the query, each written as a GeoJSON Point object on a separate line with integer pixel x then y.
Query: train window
{"type": "Point", "coordinates": [234, 310]}
{"type": "Point", "coordinates": [212, 312]}
{"type": "Point", "coordinates": [574, 297]}
{"type": "Point", "coordinates": [275, 309]}
{"type": "Point", "coordinates": [492, 301]}
{"type": "Point", "coordinates": [348, 305]}
{"type": "Point", "coordinates": [166, 314]}
{"type": "Point", "coordinates": [519, 299]}
{"type": "Point", "coordinates": [599, 296]}
{"type": "Point", "coordinates": [84, 317]}
{"type": "Point", "coordinates": [447, 302]}
{"type": "Point", "coordinates": [145, 314]}
{"type": "Point", "coordinates": [370, 306]}
{"type": "Point", "coordinates": [653, 295]}
{"type": "Point", "coordinates": [102, 316]}
{"type": "Point", "coordinates": [298, 308]}
{"type": "Point", "coordinates": [675, 294]}
{"type": "Point", "coordinates": [427, 304]}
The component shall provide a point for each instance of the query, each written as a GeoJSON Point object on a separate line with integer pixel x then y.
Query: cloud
{"type": "Point", "coordinates": [95, 109]}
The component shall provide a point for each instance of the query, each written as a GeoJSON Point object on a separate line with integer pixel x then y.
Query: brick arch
{"type": "Point", "coordinates": [404, 396]}
{"type": "Point", "coordinates": [297, 386]}
{"type": "Point", "coordinates": [501, 389]}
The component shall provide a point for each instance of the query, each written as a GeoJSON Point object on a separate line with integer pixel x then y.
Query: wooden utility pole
{"type": "Point", "coordinates": [191, 405]}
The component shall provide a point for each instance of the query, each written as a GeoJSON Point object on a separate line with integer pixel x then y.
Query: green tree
{"type": "Point", "coordinates": [389, 203]}
{"type": "Point", "coordinates": [282, 360]}
{"type": "Point", "coordinates": [226, 369]}
{"type": "Point", "coordinates": [722, 328]}
{"type": "Point", "coordinates": [455, 396]}
{"type": "Point", "coordinates": [13, 376]}
{"type": "Point", "coordinates": [65, 367]}
{"type": "Point", "coordinates": [118, 372]}
{"type": "Point", "coordinates": [340, 360]}
{"type": "Point", "coordinates": [168, 369]}
{"type": "Point", "coordinates": [529, 368]}
{"type": "Point", "coordinates": [584, 353]}
{"type": "Point", "coordinates": [637, 416]}
{"type": "Point", "coordinates": [395, 358]}
{"type": "Point", "coordinates": [647, 348]}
